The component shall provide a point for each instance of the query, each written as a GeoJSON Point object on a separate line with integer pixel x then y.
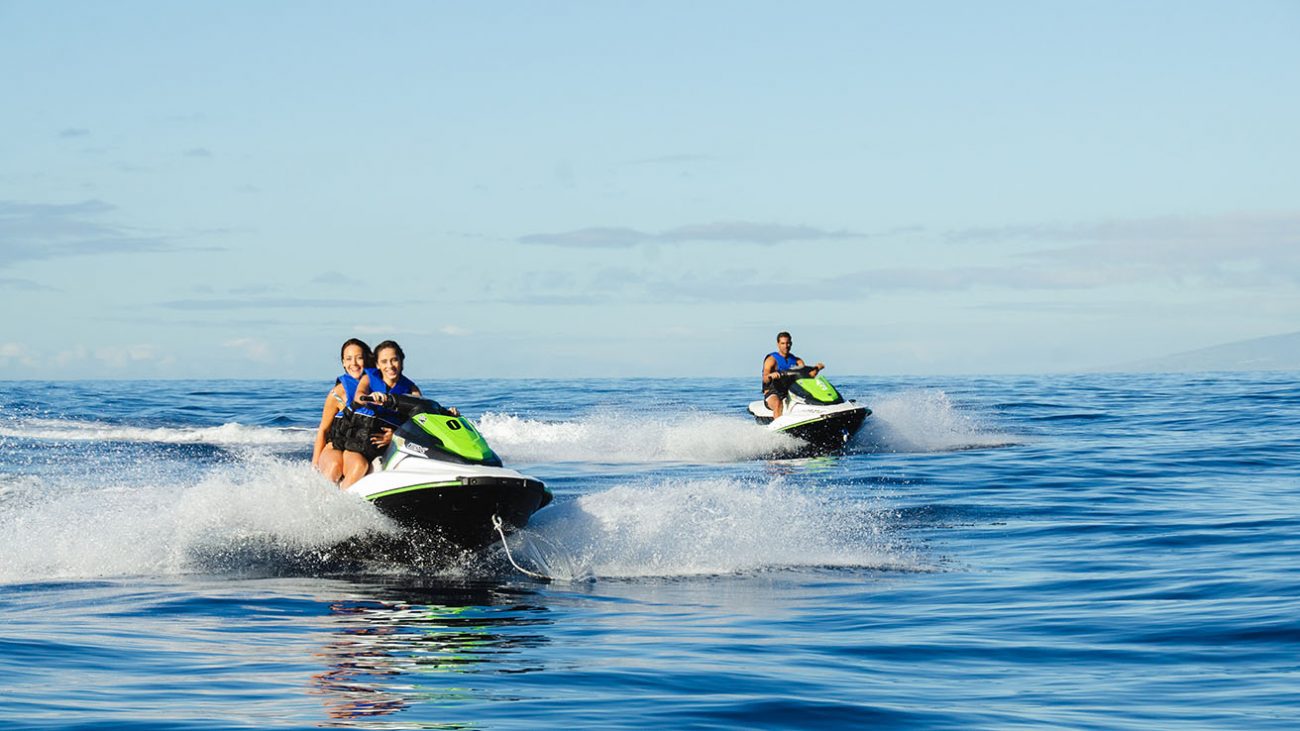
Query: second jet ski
{"type": "Point", "coordinates": [813, 412]}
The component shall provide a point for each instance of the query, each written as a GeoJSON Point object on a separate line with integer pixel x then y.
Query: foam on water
{"type": "Point", "coordinates": [248, 510]}
{"type": "Point", "coordinates": [231, 434]}
{"type": "Point", "coordinates": [266, 514]}
{"type": "Point", "coordinates": [258, 511]}
{"type": "Point", "coordinates": [910, 421]}
{"type": "Point", "coordinates": [612, 436]}
{"type": "Point", "coordinates": [705, 527]}
{"type": "Point", "coordinates": [925, 420]}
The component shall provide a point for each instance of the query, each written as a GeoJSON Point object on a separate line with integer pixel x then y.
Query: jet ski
{"type": "Point", "coordinates": [440, 479]}
{"type": "Point", "coordinates": [813, 412]}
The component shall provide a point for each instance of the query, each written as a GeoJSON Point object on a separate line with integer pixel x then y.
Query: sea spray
{"type": "Point", "coordinates": [229, 434]}
{"type": "Point", "coordinates": [908, 421]}
{"type": "Point", "coordinates": [611, 436]}
{"type": "Point", "coordinates": [925, 420]}
{"type": "Point", "coordinates": [247, 516]}
{"type": "Point", "coordinates": [678, 528]}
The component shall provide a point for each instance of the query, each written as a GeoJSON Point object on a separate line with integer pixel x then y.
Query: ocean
{"type": "Point", "coordinates": [1082, 552]}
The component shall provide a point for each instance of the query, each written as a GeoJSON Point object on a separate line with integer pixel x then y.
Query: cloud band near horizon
{"type": "Point", "coordinates": [732, 232]}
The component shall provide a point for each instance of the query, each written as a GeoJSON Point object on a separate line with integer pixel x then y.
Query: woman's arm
{"type": "Point", "coordinates": [363, 389]}
{"type": "Point", "coordinates": [327, 415]}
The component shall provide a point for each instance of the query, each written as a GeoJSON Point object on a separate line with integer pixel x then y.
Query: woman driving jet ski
{"type": "Point", "coordinates": [373, 419]}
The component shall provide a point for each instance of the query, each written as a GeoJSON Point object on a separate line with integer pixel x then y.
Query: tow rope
{"type": "Point", "coordinates": [496, 523]}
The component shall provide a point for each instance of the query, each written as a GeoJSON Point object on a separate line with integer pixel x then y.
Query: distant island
{"type": "Point", "coordinates": [1273, 353]}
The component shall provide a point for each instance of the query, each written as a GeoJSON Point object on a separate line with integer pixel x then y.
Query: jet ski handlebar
{"type": "Point", "coordinates": [804, 371]}
{"type": "Point", "coordinates": [409, 405]}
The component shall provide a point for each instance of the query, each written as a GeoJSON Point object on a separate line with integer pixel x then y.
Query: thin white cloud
{"type": "Point", "coordinates": [119, 357]}
{"type": "Point", "coordinates": [1246, 252]}
{"type": "Point", "coordinates": [386, 331]}
{"type": "Point", "coordinates": [73, 356]}
{"type": "Point", "coordinates": [23, 285]}
{"type": "Point", "coordinates": [259, 303]}
{"type": "Point", "coordinates": [333, 278]}
{"type": "Point", "coordinates": [753, 233]}
{"type": "Point", "coordinates": [1236, 250]}
{"type": "Point", "coordinates": [681, 159]}
{"type": "Point", "coordinates": [251, 348]}
{"type": "Point", "coordinates": [594, 238]}
{"type": "Point", "coordinates": [620, 284]}
{"type": "Point", "coordinates": [737, 232]}
{"type": "Point", "coordinates": [252, 290]}
{"type": "Point", "coordinates": [42, 231]}
{"type": "Point", "coordinates": [1184, 230]}
{"type": "Point", "coordinates": [17, 354]}
{"type": "Point", "coordinates": [454, 331]}
{"type": "Point", "coordinates": [862, 283]}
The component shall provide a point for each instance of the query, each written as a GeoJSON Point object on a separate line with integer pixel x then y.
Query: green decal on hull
{"type": "Point", "coordinates": [410, 488]}
{"type": "Point", "coordinates": [802, 423]}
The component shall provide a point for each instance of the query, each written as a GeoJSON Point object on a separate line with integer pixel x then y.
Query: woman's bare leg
{"type": "Point", "coordinates": [355, 466]}
{"type": "Point", "coordinates": [330, 463]}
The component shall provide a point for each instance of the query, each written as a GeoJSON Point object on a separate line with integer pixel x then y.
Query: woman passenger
{"type": "Point", "coordinates": [372, 427]}
{"type": "Point", "coordinates": [327, 452]}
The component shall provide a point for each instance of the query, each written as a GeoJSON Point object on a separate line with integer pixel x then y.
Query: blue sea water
{"type": "Point", "coordinates": [1093, 552]}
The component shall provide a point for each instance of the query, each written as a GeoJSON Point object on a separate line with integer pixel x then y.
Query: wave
{"type": "Point", "coordinates": [926, 420]}
{"type": "Point", "coordinates": [228, 435]}
{"type": "Point", "coordinates": [268, 516]}
{"type": "Point", "coordinates": [111, 512]}
{"type": "Point", "coordinates": [611, 436]}
{"type": "Point", "coordinates": [911, 421]}
{"type": "Point", "coordinates": [260, 513]}
{"type": "Point", "coordinates": [678, 528]}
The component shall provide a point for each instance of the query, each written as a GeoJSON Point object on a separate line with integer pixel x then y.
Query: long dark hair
{"type": "Point", "coordinates": [367, 355]}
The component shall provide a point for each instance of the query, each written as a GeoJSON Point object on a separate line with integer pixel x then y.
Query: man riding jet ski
{"type": "Point", "coordinates": [440, 477]}
{"type": "Point", "coordinates": [799, 401]}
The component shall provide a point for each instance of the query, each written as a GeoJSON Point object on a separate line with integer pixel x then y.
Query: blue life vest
{"type": "Point", "coordinates": [375, 378]}
{"type": "Point", "coordinates": [349, 393]}
{"type": "Point", "coordinates": [403, 386]}
{"type": "Point", "coordinates": [783, 363]}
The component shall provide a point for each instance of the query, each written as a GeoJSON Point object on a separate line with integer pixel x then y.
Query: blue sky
{"type": "Point", "coordinates": [617, 189]}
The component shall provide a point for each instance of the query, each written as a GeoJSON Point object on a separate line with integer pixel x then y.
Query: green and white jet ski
{"type": "Point", "coordinates": [813, 412]}
{"type": "Point", "coordinates": [439, 477]}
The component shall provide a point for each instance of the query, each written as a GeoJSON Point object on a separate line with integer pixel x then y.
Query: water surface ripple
{"type": "Point", "coordinates": [1093, 551]}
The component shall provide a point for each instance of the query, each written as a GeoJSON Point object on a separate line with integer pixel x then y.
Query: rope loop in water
{"type": "Point", "coordinates": [496, 523]}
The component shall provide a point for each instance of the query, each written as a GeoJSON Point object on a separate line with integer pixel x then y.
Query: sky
{"type": "Point", "coordinates": [589, 189]}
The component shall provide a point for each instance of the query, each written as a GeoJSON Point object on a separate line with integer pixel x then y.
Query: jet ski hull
{"type": "Point", "coordinates": [442, 483]}
{"type": "Point", "coordinates": [813, 412]}
{"type": "Point", "coordinates": [456, 510]}
{"type": "Point", "coordinates": [819, 429]}
{"type": "Point", "coordinates": [462, 511]}
{"type": "Point", "coordinates": [827, 432]}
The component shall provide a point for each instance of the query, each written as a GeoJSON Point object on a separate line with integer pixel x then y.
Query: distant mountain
{"type": "Point", "coordinates": [1273, 353]}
